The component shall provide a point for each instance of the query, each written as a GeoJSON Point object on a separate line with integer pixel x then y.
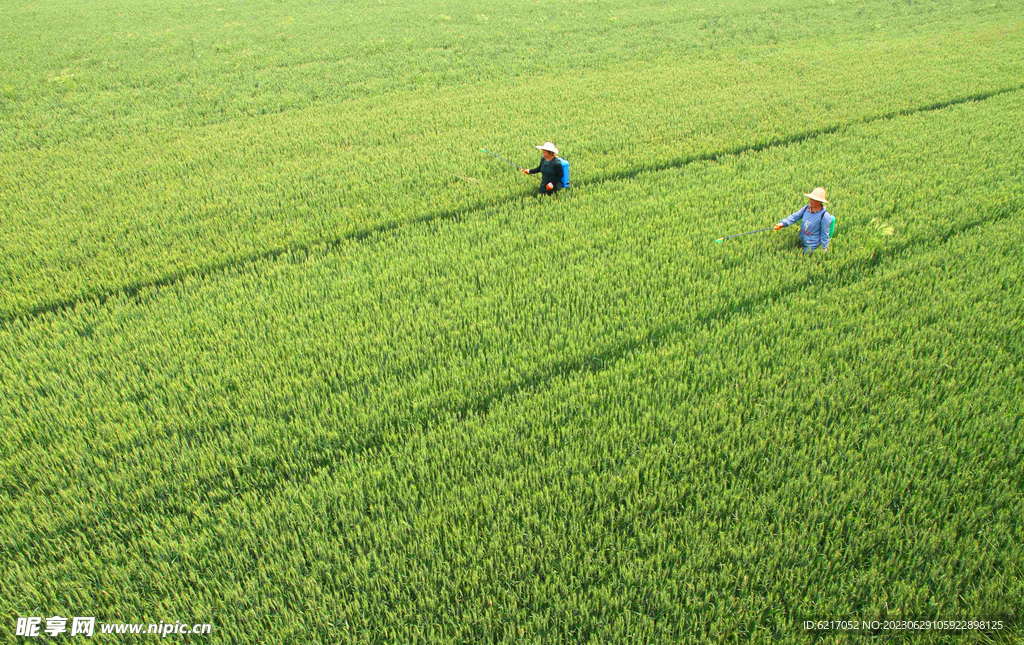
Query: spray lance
{"type": "Point", "coordinates": [502, 158]}
{"type": "Point", "coordinates": [760, 230]}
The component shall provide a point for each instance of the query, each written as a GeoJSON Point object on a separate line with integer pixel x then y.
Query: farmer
{"type": "Point", "coordinates": [550, 170]}
{"type": "Point", "coordinates": [814, 228]}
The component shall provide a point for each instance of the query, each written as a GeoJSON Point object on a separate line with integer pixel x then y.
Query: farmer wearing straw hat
{"type": "Point", "coordinates": [815, 221]}
{"type": "Point", "coordinates": [550, 170]}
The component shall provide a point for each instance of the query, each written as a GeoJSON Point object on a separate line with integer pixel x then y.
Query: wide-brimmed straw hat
{"type": "Point", "coordinates": [550, 147]}
{"type": "Point", "coordinates": [818, 195]}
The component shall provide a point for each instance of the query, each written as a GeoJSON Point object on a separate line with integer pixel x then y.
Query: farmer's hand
{"type": "Point", "coordinates": [525, 171]}
{"type": "Point", "coordinates": [550, 186]}
{"type": "Point", "coordinates": [777, 227]}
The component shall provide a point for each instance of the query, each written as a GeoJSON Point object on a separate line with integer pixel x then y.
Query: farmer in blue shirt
{"type": "Point", "coordinates": [550, 170]}
{"type": "Point", "coordinates": [814, 220]}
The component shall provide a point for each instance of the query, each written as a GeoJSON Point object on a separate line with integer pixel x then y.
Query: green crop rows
{"type": "Point", "coordinates": [283, 352]}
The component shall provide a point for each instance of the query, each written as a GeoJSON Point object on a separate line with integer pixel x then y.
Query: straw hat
{"type": "Point", "coordinates": [550, 147]}
{"type": "Point", "coordinates": [818, 195]}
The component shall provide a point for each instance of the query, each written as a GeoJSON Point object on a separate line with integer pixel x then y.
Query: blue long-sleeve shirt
{"type": "Point", "coordinates": [813, 227]}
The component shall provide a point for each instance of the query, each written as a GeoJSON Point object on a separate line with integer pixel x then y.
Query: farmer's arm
{"type": "Point", "coordinates": [532, 171]}
{"type": "Point", "coordinates": [559, 174]}
{"type": "Point", "coordinates": [824, 231]}
{"type": "Point", "coordinates": [794, 218]}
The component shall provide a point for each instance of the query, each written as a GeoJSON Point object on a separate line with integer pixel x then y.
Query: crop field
{"type": "Point", "coordinates": [282, 351]}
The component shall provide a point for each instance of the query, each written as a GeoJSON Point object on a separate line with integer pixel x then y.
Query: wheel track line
{"type": "Point", "coordinates": [274, 477]}
{"type": "Point", "coordinates": [134, 290]}
{"type": "Point", "coordinates": [847, 275]}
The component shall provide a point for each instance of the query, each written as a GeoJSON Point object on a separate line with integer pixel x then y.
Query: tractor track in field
{"type": "Point", "coordinates": [221, 490]}
{"type": "Point", "coordinates": [135, 290]}
{"type": "Point", "coordinates": [844, 276]}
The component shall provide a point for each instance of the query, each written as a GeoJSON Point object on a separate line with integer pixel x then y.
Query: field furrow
{"type": "Point", "coordinates": [116, 215]}
{"type": "Point", "coordinates": [189, 393]}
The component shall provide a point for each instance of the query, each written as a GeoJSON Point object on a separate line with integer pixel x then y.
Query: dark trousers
{"type": "Point", "coordinates": [544, 191]}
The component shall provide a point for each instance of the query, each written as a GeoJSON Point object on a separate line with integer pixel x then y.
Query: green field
{"type": "Point", "coordinates": [282, 351]}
